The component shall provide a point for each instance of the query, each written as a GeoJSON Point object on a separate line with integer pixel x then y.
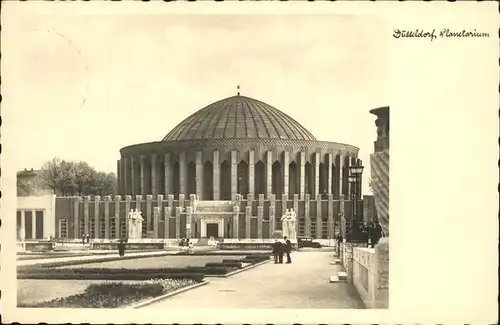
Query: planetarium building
{"type": "Point", "coordinates": [237, 145]}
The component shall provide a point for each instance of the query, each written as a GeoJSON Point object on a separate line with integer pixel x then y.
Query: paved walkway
{"type": "Point", "coordinates": [89, 257]}
{"type": "Point", "coordinates": [302, 284]}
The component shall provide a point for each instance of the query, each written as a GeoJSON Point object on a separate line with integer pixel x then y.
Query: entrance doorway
{"type": "Point", "coordinates": [212, 230]}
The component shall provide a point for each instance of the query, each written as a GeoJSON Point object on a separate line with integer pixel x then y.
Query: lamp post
{"type": "Point", "coordinates": [355, 173]}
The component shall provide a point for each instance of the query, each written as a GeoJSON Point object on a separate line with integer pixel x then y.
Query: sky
{"type": "Point", "coordinates": [80, 87]}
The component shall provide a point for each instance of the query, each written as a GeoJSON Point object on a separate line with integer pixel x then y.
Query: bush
{"type": "Point", "coordinates": [197, 277]}
{"type": "Point", "coordinates": [113, 295]}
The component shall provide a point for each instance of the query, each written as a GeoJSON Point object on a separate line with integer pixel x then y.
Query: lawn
{"type": "Point", "coordinates": [159, 262]}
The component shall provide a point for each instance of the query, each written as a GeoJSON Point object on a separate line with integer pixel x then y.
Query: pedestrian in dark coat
{"type": "Point", "coordinates": [276, 249]}
{"type": "Point", "coordinates": [376, 234]}
{"type": "Point", "coordinates": [121, 248]}
{"type": "Point", "coordinates": [288, 249]}
{"type": "Point", "coordinates": [281, 252]}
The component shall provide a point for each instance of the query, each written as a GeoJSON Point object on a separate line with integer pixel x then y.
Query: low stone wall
{"type": "Point", "coordinates": [38, 246]}
{"type": "Point", "coordinates": [370, 274]}
{"type": "Point", "coordinates": [128, 246]}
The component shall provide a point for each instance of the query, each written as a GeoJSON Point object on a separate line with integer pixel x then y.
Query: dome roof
{"type": "Point", "coordinates": [239, 117]}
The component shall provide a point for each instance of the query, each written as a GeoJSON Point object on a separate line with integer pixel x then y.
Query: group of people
{"type": "Point", "coordinates": [280, 248]}
{"type": "Point", "coordinates": [370, 233]}
{"type": "Point", "coordinates": [186, 245]}
{"type": "Point", "coordinates": [85, 239]}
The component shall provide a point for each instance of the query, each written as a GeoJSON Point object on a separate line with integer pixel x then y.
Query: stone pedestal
{"type": "Point", "coordinates": [347, 258]}
{"type": "Point", "coordinates": [382, 274]}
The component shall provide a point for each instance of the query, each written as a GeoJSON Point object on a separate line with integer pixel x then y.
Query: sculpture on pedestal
{"type": "Point", "coordinates": [134, 224]}
{"type": "Point", "coordinates": [289, 220]}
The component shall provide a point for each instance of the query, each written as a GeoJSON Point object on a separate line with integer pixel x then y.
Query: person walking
{"type": "Point", "coordinates": [288, 249]}
{"type": "Point", "coordinates": [281, 252]}
{"type": "Point", "coordinates": [276, 251]}
{"type": "Point", "coordinates": [121, 248]}
{"type": "Point", "coordinates": [376, 234]}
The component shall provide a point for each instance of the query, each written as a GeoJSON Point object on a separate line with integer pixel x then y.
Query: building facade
{"type": "Point", "coordinates": [229, 170]}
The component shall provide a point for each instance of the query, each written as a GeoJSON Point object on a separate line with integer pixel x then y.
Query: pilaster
{"type": "Point", "coordinates": [329, 176]}
{"type": "Point", "coordinates": [97, 224]}
{"type": "Point", "coordinates": [182, 173]}
{"type": "Point", "coordinates": [166, 225]}
{"type": "Point", "coordinates": [154, 174]}
{"type": "Point", "coordinates": [118, 198]}
{"type": "Point", "coordinates": [284, 205]}
{"type": "Point", "coordinates": [33, 225]}
{"type": "Point", "coordinates": [199, 175]}
{"type": "Point", "coordinates": [248, 220]}
{"type": "Point", "coordinates": [170, 199]}
{"type": "Point", "coordinates": [316, 173]}
{"type": "Point", "coordinates": [132, 176]}
{"type": "Point", "coordinates": [234, 174]}
{"type": "Point", "coordinates": [260, 215]}
{"type": "Point", "coordinates": [341, 176]}
{"type": "Point", "coordinates": [149, 208]}
{"type": "Point", "coordinates": [216, 175]}
{"type": "Point", "coordinates": [128, 199]}
{"type": "Point", "coordinates": [251, 173]}
{"type": "Point", "coordinates": [167, 167]}
{"type": "Point", "coordinates": [189, 214]}
{"type": "Point", "coordinates": [272, 220]}
{"type": "Point", "coordinates": [107, 200]}
{"type": "Point", "coordinates": [236, 213]}
{"type": "Point", "coordinates": [302, 166]}
{"type": "Point", "coordinates": [143, 175]}
{"type": "Point", "coordinates": [319, 219]}
{"type": "Point", "coordinates": [296, 209]}
{"type": "Point", "coordinates": [307, 216]}
{"type": "Point", "coordinates": [159, 205]}
{"type": "Point", "coordinates": [138, 201]}
{"type": "Point", "coordinates": [76, 225]}
{"type": "Point", "coordinates": [269, 173]}
{"type": "Point", "coordinates": [118, 176]}
{"type": "Point", "coordinates": [182, 198]}
{"type": "Point", "coordinates": [261, 200]}
{"type": "Point", "coordinates": [286, 173]}
{"type": "Point", "coordinates": [178, 211]}
{"type": "Point", "coordinates": [342, 216]}
{"type": "Point", "coordinates": [331, 230]}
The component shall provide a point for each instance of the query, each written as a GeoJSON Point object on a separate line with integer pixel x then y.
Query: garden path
{"type": "Point", "coordinates": [302, 284]}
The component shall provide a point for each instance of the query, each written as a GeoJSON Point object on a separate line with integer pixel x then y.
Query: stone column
{"type": "Point", "coordinates": [261, 200]}
{"type": "Point", "coordinates": [260, 215]}
{"type": "Point", "coordinates": [159, 205]}
{"type": "Point", "coordinates": [182, 198]}
{"type": "Point", "coordinates": [248, 220]}
{"type": "Point", "coordinates": [132, 176]}
{"type": "Point", "coordinates": [296, 209]}
{"type": "Point", "coordinates": [154, 174]}
{"type": "Point", "coordinates": [341, 176]}
{"type": "Point", "coordinates": [167, 167]}
{"type": "Point", "coordinates": [97, 224]}
{"type": "Point", "coordinates": [286, 173]}
{"type": "Point", "coordinates": [319, 219]}
{"type": "Point", "coordinates": [33, 224]}
{"type": "Point", "coordinates": [127, 171]}
{"type": "Point", "coordinates": [269, 174]}
{"type": "Point", "coordinates": [216, 175]}
{"type": "Point", "coordinates": [236, 213]}
{"type": "Point", "coordinates": [349, 189]}
{"type": "Point", "coordinates": [316, 173]}
{"type": "Point", "coordinates": [178, 211]}
{"type": "Point", "coordinates": [149, 207]}
{"type": "Point", "coordinates": [22, 236]}
{"type": "Point", "coordinates": [342, 216]}
{"type": "Point", "coordinates": [182, 173]}
{"type": "Point", "coordinates": [167, 212]}
{"type": "Point", "coordinates": [128, 199]}
{"type": "Point", "coordinates": [199, 174]}
{"type": "Point", "coordinates": [307, 216]}
{"type": "Point", "coordinates": [272, 220]}
{"type": "Point", "coordinates": [302, 166]}
{"type": "Point", "coordinates": [107, 200]}
{"type": "Point", "coordinates": [118, 176]}
{"type": "Point", "coordinates": [331, 228]}
{"type": "Point", "coordinates": [284, 206]}
{"type": "Point", "coordinates": [329, 176]}
{"type": "Point", "coordinates": [189, 215]}
{"type": "Point", "coordinates": [143, 175]}
{"type": "Point", "coordinates": [234, 174]}
{"type": "Point", "coordinates": [76, 211]}
{"type": "Point", "coordinates": [251, 173]}
{"type": "Point", "coordinates": [118, 233]}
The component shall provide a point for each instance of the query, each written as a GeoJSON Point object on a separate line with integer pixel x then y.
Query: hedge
{"type": "Point", "coordinates": [232, 264]}
{"type": "Point", "coordinates": [198, 277]}
{"type": "Point", "coordinates": [114, 295]}
{"type": "Point", "coordinates": [84, 271]}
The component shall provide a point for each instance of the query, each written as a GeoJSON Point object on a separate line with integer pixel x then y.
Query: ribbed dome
{"type": "Point", "coordinates": [239, 117]}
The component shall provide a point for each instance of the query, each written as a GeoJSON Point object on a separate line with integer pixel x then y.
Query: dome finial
{"type": "Point", "coordinates": [238, 87]}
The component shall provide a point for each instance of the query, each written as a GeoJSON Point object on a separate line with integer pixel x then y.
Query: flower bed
{"type": "Point", "coordinates": [114, 295]}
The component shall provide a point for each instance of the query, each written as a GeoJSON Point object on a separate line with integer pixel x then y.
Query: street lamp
{"type": "Point", "coordinates": [354, 178]}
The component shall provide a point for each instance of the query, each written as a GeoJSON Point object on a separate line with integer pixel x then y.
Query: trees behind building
{"type": "Point", "coordinates": [67, 178]}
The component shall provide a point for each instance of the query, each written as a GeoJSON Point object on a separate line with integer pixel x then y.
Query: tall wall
{"type": "Point", "coordinates": [105, 217]}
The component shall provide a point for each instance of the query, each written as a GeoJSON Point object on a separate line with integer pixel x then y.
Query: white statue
{"type": "Point", "coordinates": [135, 224]}
{"type": "Point", "coordinates": [288, 224]}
